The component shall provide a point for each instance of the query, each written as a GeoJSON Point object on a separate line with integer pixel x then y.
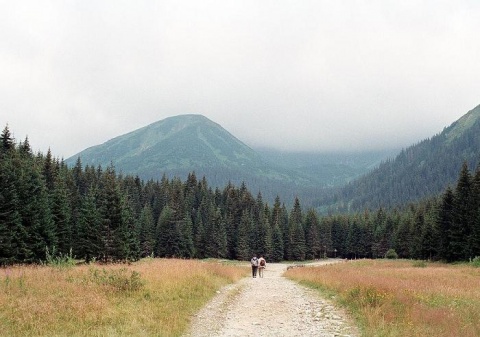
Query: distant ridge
{"type": "Point", "coordinates": [420, 171]}
{"type": "Point", "coordinates": [179, 145]}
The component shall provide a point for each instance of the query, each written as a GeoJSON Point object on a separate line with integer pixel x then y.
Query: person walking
{"type": "Point", "coordinates": [262, 264]}
{"type": "Point", "coordinates": [254, 262]}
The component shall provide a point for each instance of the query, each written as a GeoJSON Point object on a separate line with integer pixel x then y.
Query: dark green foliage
{"type": "Point", "coordinates": [12, 233]}
{"type": "Point", "coordinates": [312, 236]}
{"type": "Point", "coordinates": [89, 224]}
{"type": "Point", "coordinates": [48, 210]}
{"type": "Point", "coordinates": [242, 249]}
{"type": "Point", "coordinates": [277, 244]}
{"type": "Point", "coordinates": [420, 171]}
{"type": "Point", "coordinates": [265, 235]}
{"type": "Point", "coordinates": [391, 254]}
{"type": "Point", "coordinates": [7, 142]}
{"type": "Point", "coordinates": [296, 234]}
{"type": "Point", "coordinates": [146, 227]}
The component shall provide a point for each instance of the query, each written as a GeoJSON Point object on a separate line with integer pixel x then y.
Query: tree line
{"type": "Point", "coordinates": [95, 213]}
{"type": "Point", "coordinates": [418, 172]}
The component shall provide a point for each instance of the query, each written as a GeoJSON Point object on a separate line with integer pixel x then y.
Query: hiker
{"type": "Point", "coordinates": [254, 262]}
{"type": "Point", "coordinates": [262, 264]}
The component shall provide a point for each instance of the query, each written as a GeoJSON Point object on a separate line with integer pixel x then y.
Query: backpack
{"type": "Point", "coordinates": [262, 262]}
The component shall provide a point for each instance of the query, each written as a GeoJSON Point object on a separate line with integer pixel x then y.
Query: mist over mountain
{"type": "Point", "coordinates": [419, 171]}
{"type": "Point", "coordinates": [179, 145]}
{"type": "Point", "coordinates": [334, 182]}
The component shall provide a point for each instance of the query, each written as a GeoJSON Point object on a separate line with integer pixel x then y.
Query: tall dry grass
{"type": "Point", "coordinates": [401, 298]}
{"type": "Point", "coordinates": [150, 298]}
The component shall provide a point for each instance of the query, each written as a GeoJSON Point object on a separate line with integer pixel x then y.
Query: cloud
{"type": "Point", "coordinates": [309, 75]}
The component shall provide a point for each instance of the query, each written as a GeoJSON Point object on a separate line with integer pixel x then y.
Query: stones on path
{"type": "Point", "coordinates": [270, 306]}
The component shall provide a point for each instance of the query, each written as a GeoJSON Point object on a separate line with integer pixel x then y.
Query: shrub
{"type": "Point", "coordinates": [391, 254]}
{"type": "Point", "coordinates": [420, 264]}
{"type": "Point", "coordinates": [59, 260]}
{"type": "Point", "coordinates": [475, 262]}
{"type": "Point", "coordinates": [118, 279]}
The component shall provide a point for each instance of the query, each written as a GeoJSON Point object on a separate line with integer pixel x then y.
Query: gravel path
{"type": "Point", "coordinates": [270, 306]}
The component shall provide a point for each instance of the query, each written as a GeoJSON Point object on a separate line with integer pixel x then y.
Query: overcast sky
{"type": "Point", "coordinates": [293, 75]}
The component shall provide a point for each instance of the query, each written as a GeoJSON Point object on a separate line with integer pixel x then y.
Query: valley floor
{"type": "Point", "coordinates": [270, 306]}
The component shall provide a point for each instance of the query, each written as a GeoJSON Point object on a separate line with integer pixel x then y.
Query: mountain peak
{"type": "Point", "coordinates": [182, 143]}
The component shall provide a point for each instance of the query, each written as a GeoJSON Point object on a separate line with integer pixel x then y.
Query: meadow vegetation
{"type": "Point", "coordinates": [152, 297]}
{"type": "Point", "coordinates": [402, 298]}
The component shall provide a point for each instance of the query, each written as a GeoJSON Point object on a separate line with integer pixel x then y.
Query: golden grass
{"type": "Point", "coordinates": [48, 301]}
{"type": "Point", "coordinates": [395, 298]}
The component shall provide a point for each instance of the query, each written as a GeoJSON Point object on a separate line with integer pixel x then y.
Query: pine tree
{"type": "Point", "coordinates": [35, 211]}
{"type": "Point", "coordinates": [221, 235]}
{"type": "Point", "coordinates": [12, 234]}
{"type": "Point", "coordinates": [146, 225]}
{"type": "Point", "coordinates": [445, 224]}
{"type": "Point", "coordinates": [463, 217]}
{"type": "Point", "coordinates": [475, 235]}
{"type": "Point", "coordinates": [312, 237]}
{"type": "Point", "coordinates": [199, 238]}
{"type": "Point", "coordinates": [265, 235]}
{"type": "Point", "coordinates": [110, 207]}
{"type": "Point", "coordinates": [61, 213]}
{"type": "Point", "coordinates": [126, 241]}
{"type": "Point", "coordinates": [187, 247]}
{"type": "Point", "coordinates": [242, 249]}
{"type": "Point", "coordinates": [6, 140]}
{"type": "Point", "coordinates": [430, 236]}
{"type": "Point", "coordinates": [49, 173]}
{"type": "Point", "coordinates": [277, 244]}
{"type": "Point", "coordinates": [89, 245]}
{"type": "Point", "coordinates": [167, 234]}
{"type": "Point", "coordinates": [404, 236]}
{"type": "Point", "coordinates": [353, 244]}
{"type": "Point", "coordinates": [296, 233]}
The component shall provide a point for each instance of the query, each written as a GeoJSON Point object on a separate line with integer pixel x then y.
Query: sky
{"type": "Point", "coordinates": [294, 75]}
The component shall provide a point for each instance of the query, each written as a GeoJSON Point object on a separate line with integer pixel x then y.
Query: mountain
{"type": "Point", "coordinates": [422, 170]}
{"type": "Point", "coordinates": [179, 145]}
{"type": "Point", "coordinates": [329, 169]}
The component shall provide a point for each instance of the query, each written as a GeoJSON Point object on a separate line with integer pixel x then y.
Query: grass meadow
{"type": "Point", "coordinates": [402, 298]}
{"type": "Point", "coordinates": [152, 297]}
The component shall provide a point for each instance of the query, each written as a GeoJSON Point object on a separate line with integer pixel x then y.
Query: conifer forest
{"type": "Point", "coordinates": [96, 213]}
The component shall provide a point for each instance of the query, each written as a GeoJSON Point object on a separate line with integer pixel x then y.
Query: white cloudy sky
{"type": "Point", "coordinates": [289, 74]}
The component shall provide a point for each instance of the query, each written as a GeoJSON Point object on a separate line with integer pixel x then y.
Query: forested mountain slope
{"type": "Point", "coordinates": [179, 145]}
{"type": "Point", "coordinates": [420, 171]}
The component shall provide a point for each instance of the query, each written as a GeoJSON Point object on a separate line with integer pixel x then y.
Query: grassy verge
{"type": "Point", "coordinates": [150, 298]}
{"type": "Point", "coordinates": [402, 298]}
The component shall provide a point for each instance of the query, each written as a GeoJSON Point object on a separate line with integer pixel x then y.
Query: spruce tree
{"type": "Point", "coordinates": [187, 247]}
{"type": "Point", "coordinates": [126, 241]}
{"type": "Point", "coordinates": [445, 224]}
{"type": "Point", "coordinates": [12, 233]}
{"type": "Point", "coordinates": [89, 245]}
{"type": "Point", "coordinates": [296, 233]}
{"type": "Point", "coordinates": [243, 251]}
{"type": "Point", "coordinates": [199, 238]}
{"type": "Point", "coordinates": [7, 142]}
{"type": "Point", "coordinates": [277, 244]}
{"type": "Point", "coordinates": [35, 211]}
{"type": "Point", "coordinates": [312, 237]}
{"type": "Point", "coordinates": [475, 235]}
{"type": "Point", "coordinates": [463, 217]}
{"type": "Point", "coordinates": [61, 213]}
{"type": "Point", "coordinates": [146, 225]}
{"type": "Point", "coordinates": [265, 235]}
{"type": "Point", "coordinates": [167, 234]}
{"type": "Point", "coordinates": [110, 207]}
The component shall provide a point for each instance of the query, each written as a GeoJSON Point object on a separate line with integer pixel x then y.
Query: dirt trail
{"type": "Point", "coordinates": [270, 306]}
